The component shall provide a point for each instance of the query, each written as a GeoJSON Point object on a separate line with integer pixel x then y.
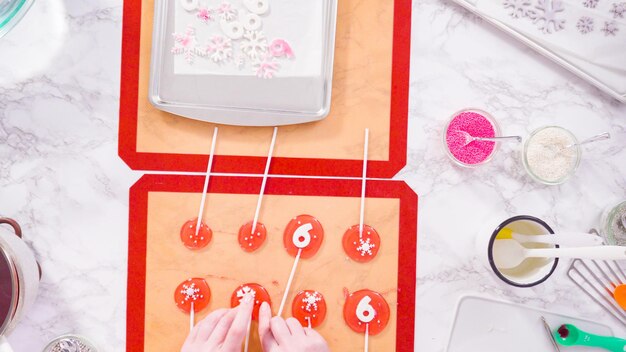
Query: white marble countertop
{"type": "Point", "coordinates": [61, 178]}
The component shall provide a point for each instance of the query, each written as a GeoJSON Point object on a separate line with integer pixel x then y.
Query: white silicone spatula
{"type": "Point", "coordinates": [509, 254]}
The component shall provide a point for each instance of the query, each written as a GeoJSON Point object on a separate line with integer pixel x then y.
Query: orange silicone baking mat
{"type": "Point", "coordinates": [158, 261]}
{"type": "Point", "coordinates": [370, 90]}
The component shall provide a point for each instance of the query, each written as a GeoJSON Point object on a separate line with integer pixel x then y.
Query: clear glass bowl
{"type": "Point", "coordinates": [11, 12]}
{"type": "Point", "coordinates": [569, 172]}
{"type": "Point", "coordinates": [612, 230]}
{"type": "Point", "coordinates": [497, 133]}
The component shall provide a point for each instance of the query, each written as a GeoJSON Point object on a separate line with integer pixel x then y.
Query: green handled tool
{"type": "Point", "coordinates": [569, 335]}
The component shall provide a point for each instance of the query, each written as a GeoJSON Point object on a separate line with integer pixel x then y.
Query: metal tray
{"type": "Point", "coordinates": [219, 95]}
{"type": "Point", "coordinates": [621, 96]}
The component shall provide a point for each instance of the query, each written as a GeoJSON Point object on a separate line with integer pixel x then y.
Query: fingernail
{"type": "Point", "coordinates": [264, 306]}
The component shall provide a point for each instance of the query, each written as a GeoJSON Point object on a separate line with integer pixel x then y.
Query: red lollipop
{"type": "Point", "coordinates": [366, 308]}
{"type": "Point", "coordinates": [258, 292]}
{"type": "Point", "coordinates": [249, 241]}
{"type": "Point", "coordinates": [309, 307]}
{"type": "Point", "coordinates": [361, 247]}
{"type": "Point", "coordinates": [194, 291]}
{"type": "Point", "coordinates": [305, 233]}
{"type": "Point", "coordinates": [192, 240]}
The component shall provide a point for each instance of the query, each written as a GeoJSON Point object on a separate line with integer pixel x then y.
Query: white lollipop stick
{"type": "Point", "coordinates": [267, 170]}
{"type": "Point", "coordinates": [293, 272]}
{"type": "Point", "coordinates": [362, 214]}
{"type": "Point", "coordinates": [367, 336]}
{"type": "Point", "coordinates": [206, 181]}
{"type": "Point", "coordinates": [191, 317]}
{"type": "Point", "coordinates": [247, 342]}
{"type": "Point", "coordinates": [301, 238]}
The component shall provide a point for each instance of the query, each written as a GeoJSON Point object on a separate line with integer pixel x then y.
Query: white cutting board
{"type": "Point", "coordinates": [486, 325]}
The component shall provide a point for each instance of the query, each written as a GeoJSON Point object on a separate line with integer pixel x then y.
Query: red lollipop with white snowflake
{"type": "Point", "coordinates": [192, 296]}
{"type": "Point", "coordinates": [302, 238]}
{"type": "Point", "coordinates": [366, 311]}
{"type": "Point", "coordinates": [309, 307]}
{"type": "Point", "coordinates": [256, 292]}
{"type": "Point", "coordinates": [361, 246]}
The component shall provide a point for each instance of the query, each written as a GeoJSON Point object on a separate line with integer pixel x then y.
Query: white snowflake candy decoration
{"type": "Point", "coordinates": [590, 3]}
{"type": "Point", "coordinates": [365, 247]}
{"type": "Point", "coordinates": [610, 28]}
{"type": "Point", "coordinates": [546, 16]}
{"type": "Point", "coordinates": [585, 24]}
{"type": "Point", "coordinates": [219, 49]}
{"type": "Point", "coordinates": [185, 44]}
{"type": "Point", "coordinates": [618, 10]}
{"type": "Point", "coordinates": [254, 44]}
{"type": "Point", "coordinates": [191, 292]}
{"type": "Point", "coordinates": [309, 301]}
{"type": "Point", "coordinates": [267, 68]}
{"type": "Point", "coordinates": [519, 8]}
{"type": "Point", "coordinates": [245, 292]}
{"type": "Point", "coordinates": [226, 11]}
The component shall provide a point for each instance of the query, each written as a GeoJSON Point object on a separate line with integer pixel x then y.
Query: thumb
{"type": "Point", "coordinates": [265, 334]}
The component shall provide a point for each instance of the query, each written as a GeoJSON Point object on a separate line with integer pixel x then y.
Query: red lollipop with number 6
{"type": "Point", "coordinates": [366, 308]}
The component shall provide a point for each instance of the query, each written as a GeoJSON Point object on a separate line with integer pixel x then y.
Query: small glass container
{"type": "Point", "coordinates": [561, 163]}
{"type": "Point", "coordinates": [446, 145]}
{"type": "Point", "coordinates": [11, 12]}
{"type": "Point", "coordinates": [613, 229]}
{"type": "Point", "coordinates": [70, 343]}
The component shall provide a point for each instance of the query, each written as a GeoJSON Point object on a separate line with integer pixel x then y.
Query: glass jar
{"type": "Point", "coordinates": [496, 130]}
{"type": "Point", "coordinates": [613, 228]}
{"type": "Point", "coordinates": [11, 12]}
{"type": "Point", "coordinates": [559, 161]}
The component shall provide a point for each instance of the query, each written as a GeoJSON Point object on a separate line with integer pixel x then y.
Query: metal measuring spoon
{"type": "Point", "coordinates": [599, 137]}
{"type": "Point", "coordinates": [469, 138]}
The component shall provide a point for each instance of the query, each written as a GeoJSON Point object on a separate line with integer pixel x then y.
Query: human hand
{"type": "Point", "coordinates": [223, 330]}
{"type": "Point", "coordinates": [280, 335]}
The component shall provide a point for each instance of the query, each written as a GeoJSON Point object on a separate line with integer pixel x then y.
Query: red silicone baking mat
{"type": "Point", "coordinates": [158, 261]}
{"type": "Point", "coordinates": [370, 90]}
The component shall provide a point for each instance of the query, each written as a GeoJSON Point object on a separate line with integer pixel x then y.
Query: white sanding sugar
{"type": "Point", "coordinates": [547, 156]}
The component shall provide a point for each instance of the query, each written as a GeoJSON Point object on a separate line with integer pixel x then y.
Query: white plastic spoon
{"type": "Point", "coordinates": [573, 239]}
{"type": "Point", "coordinates": [509, 254]}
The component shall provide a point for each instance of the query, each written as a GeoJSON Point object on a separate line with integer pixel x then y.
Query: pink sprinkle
{"type": "Point", "coordinates": [476, 125]}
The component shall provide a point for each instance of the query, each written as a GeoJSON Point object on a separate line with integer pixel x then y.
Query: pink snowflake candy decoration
{"type": "Point", "coordinates": [267, 67]}
{"type": "Point", "coordinates": [185, 44]}
{"type": "Point", "coordinates": [280, 48]}
{"type": "Point", "coordinates": [205, 14]}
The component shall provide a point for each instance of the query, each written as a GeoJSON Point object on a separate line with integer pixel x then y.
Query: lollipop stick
{"type": "Point", "coordinates": [247, 342]}
{"type": "Point", "coordinates": [362, 214]}
{"type": "Point", "coordinates": [191, 317]}
{"type": "Point", "coordinates": [293, 272]}
{"type": "Point", "coordinates": [367, 336]}
{"type": "Point", "coordinates": [206, 181]}
{"type": "Point", "coordinates": [267, 170]}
